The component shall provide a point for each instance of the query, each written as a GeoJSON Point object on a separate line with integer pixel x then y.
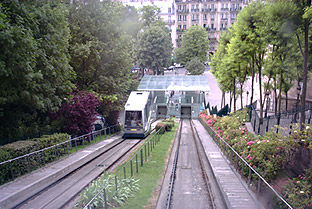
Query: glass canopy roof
{"type": "Point", "coordinates": [169, 83]}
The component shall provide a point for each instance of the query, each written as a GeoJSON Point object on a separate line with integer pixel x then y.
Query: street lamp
{"type": "Point", "coordinates": [297, 102]}
{"type": "Point", "coordinates": [247, 98]}
{"type": "Point", "coordinates": [267, 94]}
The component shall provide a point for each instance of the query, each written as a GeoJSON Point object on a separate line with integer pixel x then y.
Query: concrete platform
{"type": "Point", "coordinates": [235, 190]}
{"type": "Point", "coordinates": [19, 190]}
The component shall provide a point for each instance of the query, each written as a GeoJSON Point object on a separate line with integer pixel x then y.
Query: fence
{"type": "Point", "coordinates": [254, 180]}
{"type": "Point", "coordinates": [286, 120]}
{"type": "Point", "coordinates": [129, 168]}
{"type": "Point", "coordinates": [21, 165]}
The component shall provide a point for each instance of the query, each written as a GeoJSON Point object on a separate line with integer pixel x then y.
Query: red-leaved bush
{"type": "Point", "coordinates": [78, 113]}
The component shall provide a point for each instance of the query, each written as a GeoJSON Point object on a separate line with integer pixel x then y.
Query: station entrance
{"type": "Point", "coordinates": [186, 112]}
{"type": "Point", "coordinates": [176, 96]}
{"type": "Point", "coordinates": [161, 111]}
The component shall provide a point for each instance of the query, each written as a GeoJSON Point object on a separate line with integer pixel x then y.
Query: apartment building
{"type": "Point", "coordinates": [214, 15]}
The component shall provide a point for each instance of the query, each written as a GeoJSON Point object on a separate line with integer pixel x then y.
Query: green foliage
{"type": "Point", "coordinates": [126, 188]}
{"type": "Point", "coordinates": [34, 62]}
{"type": "Point", "coordinates": [195, 66]}
{"type": "Point", "coordinates": [195, 43]}
{"type": "Point", "coordinates": [154, 48]}
{"type": "Point", "coordinates": [100, 51]}
{"type": "Point", "coordinates": [150, 16]}
{"type": "Point", "coordinates": [22, 166]}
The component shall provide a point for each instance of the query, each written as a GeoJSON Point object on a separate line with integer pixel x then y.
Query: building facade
{"type": "Point", "coordinates": [214, 15]}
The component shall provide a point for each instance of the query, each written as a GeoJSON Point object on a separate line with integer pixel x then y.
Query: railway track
{"type": "Point", "coordinates": [62, 191]}
{"type": "Point", "coordinates": [190, 184]}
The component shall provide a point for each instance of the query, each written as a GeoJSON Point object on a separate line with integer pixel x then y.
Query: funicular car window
{"type": "Point", "coordinates": [134, 118]}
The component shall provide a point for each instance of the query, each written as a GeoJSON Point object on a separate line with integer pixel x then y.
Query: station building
{"type": "Point", "coordinates": [176, 96]}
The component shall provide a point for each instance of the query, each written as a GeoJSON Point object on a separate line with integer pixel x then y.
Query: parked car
{"type": "Point", "coordinates": [171, 68]}
{"type": "Point", "coordinates": [99, 123]}
{"type": "Point", "coordinates": [135, 69]}
{"type": "Point", "coordinates": [178, 65]}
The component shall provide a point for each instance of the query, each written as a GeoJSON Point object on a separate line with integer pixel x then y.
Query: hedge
{"type": "Point", "coordinates": [27, 164]}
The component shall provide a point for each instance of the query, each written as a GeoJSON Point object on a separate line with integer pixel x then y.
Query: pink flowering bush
{"type": "Point", "coordinates": [298, 192]}
{"type": "Point", "coordinates": [270, 154]}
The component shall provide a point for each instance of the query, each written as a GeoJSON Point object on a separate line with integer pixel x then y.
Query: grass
{"type": "Point", "coordinates": [151, 173]}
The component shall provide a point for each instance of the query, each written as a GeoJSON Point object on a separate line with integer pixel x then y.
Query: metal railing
{"type": "Point", "coordinates": [138, 159]}
{"type": "Point", "coordinates": [285, 119]}
{"type": "Point", "coordinates": [253, 179]}
{"type": "Point", "coordinates": [13, 168]}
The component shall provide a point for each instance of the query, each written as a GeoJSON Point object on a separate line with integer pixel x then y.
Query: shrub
{"type": "Point", "coordinates": [126, 189]}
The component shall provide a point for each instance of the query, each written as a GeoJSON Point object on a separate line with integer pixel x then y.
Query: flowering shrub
{"type": "Point", "coordinates": [268, 154]}
{"type": "Point", "coordinates": [298, 191]}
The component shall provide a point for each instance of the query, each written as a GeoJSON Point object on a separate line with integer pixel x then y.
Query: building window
{"type": "Point", "coordinates": [197, 6]}
{"type": "Point", "coordinates": [212, 26]}
{"type": "Point", "coordinates": [197, 17]}
{"type": "Point", "coordinates": [193, 7]}
{"type": "Point", "coordinates": [205, 16]}
{"type": "Point", "coordinates": [179, 17]}
{"type": "Point", "coordinates": [169, 10]}
{"type": "Point", "coordinates": [184, 17]}
{"type": "Point", "coordinates": [184, 27]}
{"type": "Point", "coordinates": [179, 7]}
{"type": "Point", "coordinates": [204, 25]}
{"type": "Point", "coordinates": [184, 7]}
{"type": "Point", "coordinates": [205, 6]}
{"type": "Point", "coordinates": [180, 26]}
{"type": "Point", "coordinates": [212, 16]}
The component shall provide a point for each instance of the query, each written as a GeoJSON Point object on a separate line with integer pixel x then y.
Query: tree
{"type": "Point", "coordinates": [34, 60]}
{"type": "Point", "coordinates": [78, 113]}
{"type": "Point", "coordinates": [195, 66]}
{"type": "Point", "coordinates": [195, 43]}
{"type": "Point", "coordinates": [150, 16]}
{"type": "Point", "coordinates": [154, 48]}
{"type": "Point", "coordinates": [100, 51]}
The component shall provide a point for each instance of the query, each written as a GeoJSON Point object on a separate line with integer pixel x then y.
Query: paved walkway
{"type": "Point", "coordinates": [234, 189]}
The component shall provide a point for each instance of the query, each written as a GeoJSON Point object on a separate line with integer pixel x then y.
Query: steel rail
{"type": "Point", "coordinates": [195, 137]}
{"type": "Point", "coordinates": [172, 179]}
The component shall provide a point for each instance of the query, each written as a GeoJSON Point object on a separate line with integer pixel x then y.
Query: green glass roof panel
{"type": "Point", "coordinates": [168, 83]}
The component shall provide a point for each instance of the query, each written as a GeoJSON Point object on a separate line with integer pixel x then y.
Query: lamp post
{"type": "Point", "coordinates": [297, 102]}
{"type": "Point", "coordinates": [247, 98]}
{"type": "Point", "coordinates": [267, 94]}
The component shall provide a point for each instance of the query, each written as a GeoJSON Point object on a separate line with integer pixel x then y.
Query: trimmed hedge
{"type": "Point", "coordinates": [27, 164]}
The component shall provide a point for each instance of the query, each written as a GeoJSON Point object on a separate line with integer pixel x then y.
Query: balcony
{"type": "Point", "coordinates": [224, 18]}
{"type": "Point", "coordinates": [195, 10]}
{"type": "Point", "coordinates": [180, 30]}
{"type": "Point", "coordinates": [206, 10]}
{"type": "Point", "coordinates": [183, 10]}
{"type": "Point", "coordinates": [195, 20]}
{"type": "Point", "coordinates": [170, 22]}
{"type": "Point", "coordinates": [224, 9]}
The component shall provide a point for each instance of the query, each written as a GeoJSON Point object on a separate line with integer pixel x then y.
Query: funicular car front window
{"type": "Point", "coordinates": [134, 118]}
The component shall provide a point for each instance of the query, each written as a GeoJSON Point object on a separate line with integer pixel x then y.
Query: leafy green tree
{"type": "Point", "coordinates": [195, 43]}
{"type": "Point", "coordinates": [100, 52]}
{"type": "Point", "coordinates": [150, 16]}
{"type": "Point", "coordinates": [154, 48]}
{"type": "Point", "coordinates": [195, 66]}
{"type": "Point", "coordinates": [34, 62]}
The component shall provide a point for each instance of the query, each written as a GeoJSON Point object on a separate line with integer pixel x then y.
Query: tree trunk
{"type": "Point", "coordinates": [241, 95]}
{"type": "Point", "coordinates": [230, 101]}
{"type": "Point", "coordinates": [234, 95]}
{"type": "Point", "coordinates": [305, 70]}
{"type": "Point", "coordinates": [280, 93]}
{"type": "Point", "coordinates": [286, 93]}
{"type": "Point", "coordinates": [252, 80]}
